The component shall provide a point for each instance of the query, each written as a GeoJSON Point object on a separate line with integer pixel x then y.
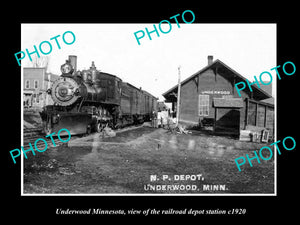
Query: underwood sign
{"type": "Point", "coordinates": [216, 92]}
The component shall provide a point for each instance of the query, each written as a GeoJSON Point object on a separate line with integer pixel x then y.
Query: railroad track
{"type": "Point", "coordinates": [29, 132]}
{"type": "Point", "coordinates": [30, 135]}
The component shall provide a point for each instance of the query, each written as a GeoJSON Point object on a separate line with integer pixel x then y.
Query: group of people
{"type": "Point", "coordinates": [162, 118]}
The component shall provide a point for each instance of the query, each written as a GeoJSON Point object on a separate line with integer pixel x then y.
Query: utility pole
{"type": "Point", "coordinates": [178, 97]}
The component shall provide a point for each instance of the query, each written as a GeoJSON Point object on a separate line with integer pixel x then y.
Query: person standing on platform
{"type": "Point", "coordinates": [154, 119]}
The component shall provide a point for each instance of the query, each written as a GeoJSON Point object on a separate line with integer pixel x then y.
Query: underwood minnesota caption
{"type": "Point", "coordinates": [99, 211]}
{"type": "Point", "coordinates": [185, 187]}
{"type": "Point", "coordinates": [169, 186]}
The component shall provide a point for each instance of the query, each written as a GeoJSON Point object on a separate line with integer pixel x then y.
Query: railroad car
{"type": "Point", "coordinates": [89, 100]}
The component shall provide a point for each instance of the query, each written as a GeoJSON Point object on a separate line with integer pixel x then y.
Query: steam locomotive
{"type": "Point", "coordinates": [89, 100]}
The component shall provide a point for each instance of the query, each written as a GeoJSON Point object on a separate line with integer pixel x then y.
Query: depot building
{"type": "Point", "coordinates": [210, 100]}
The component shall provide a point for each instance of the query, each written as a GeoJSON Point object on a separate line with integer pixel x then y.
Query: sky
{"type": "Point", "coordinates": [249, 49]}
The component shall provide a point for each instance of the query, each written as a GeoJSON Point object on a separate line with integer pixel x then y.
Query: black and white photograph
{"type": "Point", "coordinates": [144, 109]}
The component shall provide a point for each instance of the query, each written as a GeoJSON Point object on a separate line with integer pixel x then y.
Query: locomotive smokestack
{"type": "Point", "coordinates": [73, 61]}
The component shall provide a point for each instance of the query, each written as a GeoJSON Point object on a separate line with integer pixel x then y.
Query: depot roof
{"type": "Point", "coordinates": [257, 92]}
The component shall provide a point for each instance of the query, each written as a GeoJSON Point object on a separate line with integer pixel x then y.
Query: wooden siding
{"type": "Point", "coordinates": [189, 102]}
{"type": "Point", "coordinates": [210, 83]}
{"type": "Point", "coordinates": [260, 114]}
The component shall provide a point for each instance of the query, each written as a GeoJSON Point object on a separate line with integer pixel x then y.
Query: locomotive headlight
{"type": "Point", "coordinates": [66, 68]}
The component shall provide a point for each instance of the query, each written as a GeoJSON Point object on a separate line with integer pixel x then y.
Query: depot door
{"type": "Point", "coordinates": [227, 121]}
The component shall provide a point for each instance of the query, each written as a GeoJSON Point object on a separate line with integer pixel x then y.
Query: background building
{"type": "Point", "coordinates": [36, 82]}
{"type": "Point", "coordinates": [161, 106]}
{"type": "Point", "coordinates": [209, 98]}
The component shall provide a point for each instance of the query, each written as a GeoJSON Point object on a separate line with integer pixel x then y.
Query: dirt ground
{"type": "Point", "coordinates": [138, 159]}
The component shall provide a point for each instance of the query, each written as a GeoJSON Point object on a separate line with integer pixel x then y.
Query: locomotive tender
{"type": "Point", "coordinates": [90, 100]}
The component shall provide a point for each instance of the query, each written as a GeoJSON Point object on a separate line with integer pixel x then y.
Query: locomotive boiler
{"type": "Point", "coordinates": [89, 100]}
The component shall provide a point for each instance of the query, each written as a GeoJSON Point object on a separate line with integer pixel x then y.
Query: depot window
{"type": "Point", "coordinates": [203, 105]}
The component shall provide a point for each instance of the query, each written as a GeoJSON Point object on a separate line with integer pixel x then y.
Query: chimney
{"type": "Point", "coordinates": [73, 62]}
{"type": "Point", "coordinates": [210, 59]}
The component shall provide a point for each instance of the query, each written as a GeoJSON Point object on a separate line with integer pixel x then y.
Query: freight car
{"type": "Point", "coordinates": [89, 100]}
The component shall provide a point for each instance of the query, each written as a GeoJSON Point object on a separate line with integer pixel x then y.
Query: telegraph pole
{"type": "Point", "coordinates": [178, 97]}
